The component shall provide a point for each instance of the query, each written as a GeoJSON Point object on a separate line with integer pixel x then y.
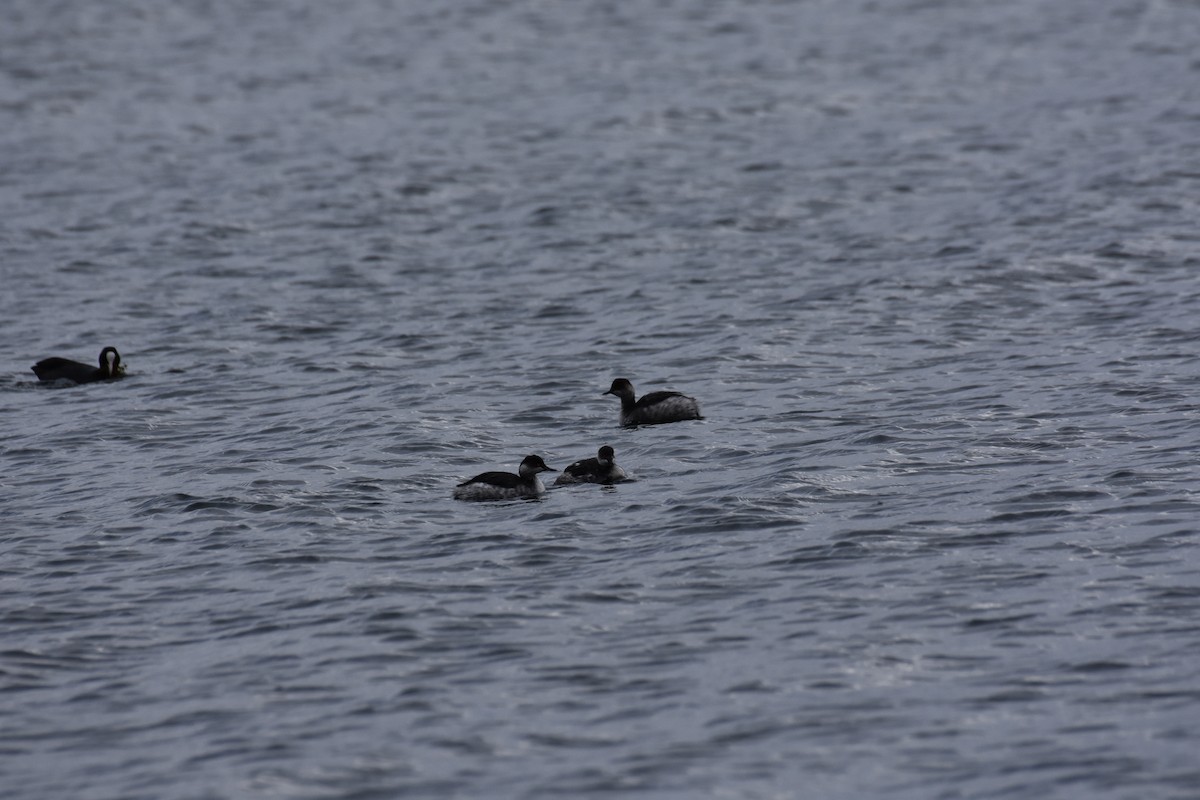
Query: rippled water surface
{"type": "Point", "coordinates": [931, 269]}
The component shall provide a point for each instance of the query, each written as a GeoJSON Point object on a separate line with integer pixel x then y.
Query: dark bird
{"type": "Point", "coordinates": [64, 369]}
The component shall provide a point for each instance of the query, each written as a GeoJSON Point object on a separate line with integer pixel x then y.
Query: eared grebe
{"type": "Point", "coordinates": [505, 485]}
{"type": "Point", "coordinates": [64, 369]}
{"type": "Point", "coordinates": [653, 408]}
{"type": "Point", "coordinates": [601, 469]}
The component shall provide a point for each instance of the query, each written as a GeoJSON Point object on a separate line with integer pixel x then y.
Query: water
{"type": "Point", "coordinates": [930, 268]}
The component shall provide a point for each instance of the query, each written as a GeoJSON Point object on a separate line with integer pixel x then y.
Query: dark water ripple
{"type": "Point", "coordinates": [931, 269]}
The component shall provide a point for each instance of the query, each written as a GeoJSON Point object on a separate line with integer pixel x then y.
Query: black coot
{"type": "Point", "coordinates": [64, 369]}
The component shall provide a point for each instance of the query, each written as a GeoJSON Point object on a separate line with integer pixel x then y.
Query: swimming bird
{"type": "Point", "coordinates": [601, 469]}
{"type": "Point", "coordinates": [64, 369]}
{"type": "Point", "coordinates": [505, 485]}
{"type": "Point", "coordinates": [653, 408]}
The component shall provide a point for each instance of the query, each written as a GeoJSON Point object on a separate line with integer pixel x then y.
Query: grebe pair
{"type": "Point", "coordinates": [651, 409]}
{"type": "Point", "coordinates": [506, 486]}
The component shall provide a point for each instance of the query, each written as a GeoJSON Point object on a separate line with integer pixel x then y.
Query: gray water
{"type": "Point", "coordinates": [931, 269]}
